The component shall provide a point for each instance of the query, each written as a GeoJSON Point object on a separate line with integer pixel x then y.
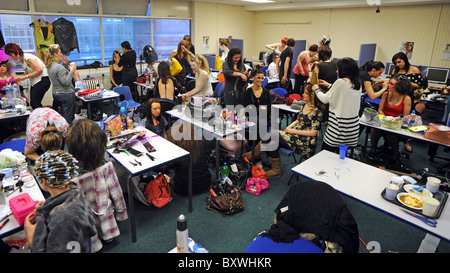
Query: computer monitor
{"type": "Point", "coordinates": [437, 75]}
{"type": "Point", "coordinates": [389, 68]}
{"type": "Point", "coordinates": [261, 55]}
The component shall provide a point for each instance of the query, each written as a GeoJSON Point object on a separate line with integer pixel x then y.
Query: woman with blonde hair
{"type": "Point", "coordinates": [203, 86]}
{"type": "Point", "coordinates": [61, 78]}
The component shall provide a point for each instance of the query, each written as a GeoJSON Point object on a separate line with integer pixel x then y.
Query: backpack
{"type": "Point", "coordinates": [157, 191]}
{"type": "Point", "coordinates": [291, 98]}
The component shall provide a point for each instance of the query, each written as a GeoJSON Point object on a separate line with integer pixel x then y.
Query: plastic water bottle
{"type": "Point", "coordinates": [16, 89]}
{"type": "Point", "coordinates": [102, 88]}
{"type": "Point", "coordinates": [182, 234]}
{"type": "Point", "coordinates": [123, 117]}
{"type": "Point", "coordinates": [413, 117]}
{"type": "Point", "coordinates": [9, 94]}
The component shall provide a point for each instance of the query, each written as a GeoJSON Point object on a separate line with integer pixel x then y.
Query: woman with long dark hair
{"type": "Point", "coordinates": [368, 72]}
{"type": "Point", "coordinates": [343, 97]}
{"type": "Point", "coordinates": [235, 76]}
{"type": "Point", "coordinates": [166, 84]}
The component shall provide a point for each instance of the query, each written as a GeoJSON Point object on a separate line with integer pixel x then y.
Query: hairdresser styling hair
{"type": "Point", "coordinates": [64, 222]}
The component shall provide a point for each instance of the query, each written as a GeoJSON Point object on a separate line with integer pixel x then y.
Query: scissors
{"type": "Point", "coordinates": [428, 221]}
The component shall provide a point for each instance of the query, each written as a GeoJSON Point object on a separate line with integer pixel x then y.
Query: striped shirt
{"type": "Point", "coordinates": [343, 120]}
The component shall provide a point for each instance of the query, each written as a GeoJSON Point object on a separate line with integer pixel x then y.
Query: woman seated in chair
{"type": "Point", "coordinates": [395, 102]}
{"type": "Point", "coordinates": [203, 86]}
{"type": "Point", "coordinates": [302, 135]}
{"type": "Point", "coordinates": [97, 179]}
{"type": "Point", "coordinates": [155, 121]}
{"type": "Point", "coordinates": [166, 84]}
{"type": "Point", "coordinates": [185, 135]}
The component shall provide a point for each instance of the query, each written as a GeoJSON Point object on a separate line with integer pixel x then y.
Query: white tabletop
{"type": "Point", "coordinates": [106, 95]}
{"type": "Point", "coordinates": [165, 151]}
{"type": "Point", "coordinates": [203, 125]}
{"type": "Point", "coordinates": [403, 132]}
{"type": "Point", "coordinates": [285, 107]}
{"type": "Point", "coordinates": [35, 193]}
{"type": "Point", "coordinates": [364, 183]}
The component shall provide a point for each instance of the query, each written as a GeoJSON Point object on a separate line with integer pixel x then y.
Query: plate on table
{"type": "Point", "coordinates": [410, 200]}
{"type": "Point", "coordinates": [420, 191]}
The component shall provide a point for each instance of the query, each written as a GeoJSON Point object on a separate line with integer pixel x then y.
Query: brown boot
{"type": "Point", "coordinates": [258, 152]}
{"type": "Point", "coordinates": [276, 168]}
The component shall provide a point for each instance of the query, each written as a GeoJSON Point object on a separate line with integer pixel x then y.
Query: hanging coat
{"type": "Point", "coordinates": [65, 35]}
{"type": "Point", "coordinates": [42, 38]}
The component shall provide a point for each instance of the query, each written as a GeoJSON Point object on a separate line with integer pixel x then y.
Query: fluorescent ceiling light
{"type": "Point", "coordinates": [258, 1]}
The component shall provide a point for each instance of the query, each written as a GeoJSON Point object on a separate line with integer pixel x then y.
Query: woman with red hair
{"type": "Point", "coordinates": [35, 71]}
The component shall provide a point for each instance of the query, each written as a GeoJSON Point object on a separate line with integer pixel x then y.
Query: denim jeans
{"type": "Point", "coordinates": [67, 101]}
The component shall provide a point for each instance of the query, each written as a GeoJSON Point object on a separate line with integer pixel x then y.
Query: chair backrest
{"type": "Point", "coordinates": [265, 82]}
{"type": "Point", "coordinates": [166, 104]}
{"type": "Point", "coordinates": [125, 91]}
{"type": "Point", "coordinates": [280, 91]}
{"type": "Point", "coordinates": [218, 89]}
{"type": "Point", "coordinates": [264, 69]}
{"type": "Point", "coordinates": [190, 85]}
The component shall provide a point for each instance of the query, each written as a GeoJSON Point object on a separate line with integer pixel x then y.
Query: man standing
{"type": "Point", "coordinates": [286, 65]}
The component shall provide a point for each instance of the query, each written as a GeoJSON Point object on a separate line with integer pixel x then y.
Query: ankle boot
{"type": "Point", "coordinates": [258, 152]}
{"type": "Point", "coordinates": [276, 168]}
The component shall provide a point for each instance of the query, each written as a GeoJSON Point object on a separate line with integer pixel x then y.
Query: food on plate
{"type": "Point", "coordinates": [411, 200]}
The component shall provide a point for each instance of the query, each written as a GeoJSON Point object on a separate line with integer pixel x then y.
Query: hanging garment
{"type": "Point", "coordinates": [65, 35]}
{"type": "Point", "coordinates": [42, 38]}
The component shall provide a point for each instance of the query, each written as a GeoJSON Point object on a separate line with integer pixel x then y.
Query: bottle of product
{"type": "Point", "coordinates": [182, 234]}
{"type": "Point", "coordinates": [9, 94]}
{"type": "Point", "coordinates": [413, 116]}
{"type": "Point", "coordinates": [123, 117]}
{"type": "Point", "coordinates": [16, 89]}
{"type": "Point", "coordinates": [224, 171]}
{"type": "Point", "coordinates": [129, 123]}
{"type": "Point", "coordinates": [102, 88]}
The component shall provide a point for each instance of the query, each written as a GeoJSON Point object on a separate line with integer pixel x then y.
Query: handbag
{"type": "Point", "coordinates": [157, 191]}
{"type": "Point", "coordinates": [226, 204]}
{"type": "Point", "coordinates": [370, 116]}
{"type": "Point", "coordinates": [240, 171]}
{"type": "Point", "coordinates": [175, 67]}
{"type": "Point", "coordinates": [438, 133]}
{"type": "Point", "coordinates": [256, 185]}
{"type": "Point", "coordinates": [257, 171]}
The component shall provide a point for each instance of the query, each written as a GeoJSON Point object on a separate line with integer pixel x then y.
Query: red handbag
{"type": "Point", "coordinates": [157, 191]}
{"type": "Point", "coordinates": [257, 171]}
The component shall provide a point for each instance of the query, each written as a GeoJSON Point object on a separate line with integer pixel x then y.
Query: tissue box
{"type": "Point", "coordinates": [21, 206]}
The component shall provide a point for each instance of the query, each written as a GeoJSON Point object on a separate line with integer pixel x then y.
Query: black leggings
{"type": "Point", "coordinates": [38, 91]}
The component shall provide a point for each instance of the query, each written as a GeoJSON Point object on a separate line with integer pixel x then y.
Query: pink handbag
{"type": "Point", "coordinates": [256, 185]}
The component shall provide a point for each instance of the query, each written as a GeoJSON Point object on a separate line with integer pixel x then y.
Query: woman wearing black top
{"type": "Point", "coordinates": [326, 68]}
{"type": "Point", "coordinates": [369, 71]}
{"type": "Point", "coordinates": [115, 70]}
{"type": "Point", "coordinates": [129, 71]}
{"type": "Point", "coordinates": [234, 70]}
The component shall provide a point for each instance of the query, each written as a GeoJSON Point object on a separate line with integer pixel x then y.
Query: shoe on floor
{"type": "Point", "coordinates": [409, 150]}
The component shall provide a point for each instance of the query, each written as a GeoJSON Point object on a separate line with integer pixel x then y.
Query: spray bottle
{"type": "Point", "coordinates": [182, 234]}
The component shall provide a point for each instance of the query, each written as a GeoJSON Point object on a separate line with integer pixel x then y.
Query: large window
{"type": "Point", "coordinates": [167, 33]}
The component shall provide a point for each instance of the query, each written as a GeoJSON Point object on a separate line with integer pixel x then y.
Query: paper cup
{"type": "Point", "coordinates": [429, 206]}
{"type": "Point", "coordinates": [397, 180]}
{"type": "Point", "coordinates": [433, 184]}
{"type": "Point", "coordinates": [391, 191]}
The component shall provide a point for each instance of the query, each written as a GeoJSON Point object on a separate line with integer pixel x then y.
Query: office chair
{"type": "Point", "coordinates": [190, 85]}
{"type": "Point", "coordinates": [282, 93]}
{"type": "Point", "coordinates": [125, 93]}
{"type": "Point", "coordinates": [265, 82]}
{"type": "Point", "coordinates": [264, 69]}
{"type": "Point", "coordinates": [218, 90]}
{"type": "Point", "coordinates": [167, 105]}
{"type": "Point", "coordinates": [15, 145]}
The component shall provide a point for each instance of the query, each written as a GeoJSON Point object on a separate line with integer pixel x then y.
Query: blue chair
{"type": "Point", "coordinates": [15, 145]}
{"type": "Point", "coordinates": [219, 88]}
{"type": "Point", "coordinates": [267, 245]}
{"type": "Point", "coordinates": [280, 91]}
{"type": "Point", "coordinates": [125, 91]}
{"type": "Point", "coordinates": [264, 69]}
{"type": "Point", "coordinates": [265, 82]}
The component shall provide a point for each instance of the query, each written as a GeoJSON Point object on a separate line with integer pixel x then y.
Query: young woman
{"type": "Point", "coordinates": [302, 135]}
{"type": "Point", "coordinates": [191, 48]}
{"type": "Point", "coordinates": [344, 99]}
{"type": "Point", "coordinates": [395, 102]}
{"type": "Point", "coordinates": [203, 86]}
{"type": "Point", "coordinates": [6, 75]}
{"type": "Point", "coordinates": [97, 179]}
{"type": "Point", "coordinates": [403, 67]}
{"type": "Point", "coordinates": [369, 71]}
{"type": "Point", "coordinates": [129, 71]}
{"type": "Point", "coordinates": [184, 134]}
{"type": "Point", "coordinates": [233, 71]}
{"type": "Point", "coordinates": [326, 68]}
{"type": "Point", "coordinates": [165, 83]}
{"type": "Point", "coordinates": [301, 71]}
{"type": "Point", "coordinates": [278, 47]}
{"type": "Point", "coordinates": [35, 71]}
{"type": "Point", "coordinates": [61, 78]}
{"type": "Point", "coordinates": [155, 120]}
{"type": "Point", "coordinates": [64, 217]}
{"type": "Point", "coordinates": [115, 71]}
{"type": "Point", "coordinates": [273, 63]}
{"type": "Point", "coordinates": [182, 57]}
{"type": "Point", "coordinates": [224, 45]}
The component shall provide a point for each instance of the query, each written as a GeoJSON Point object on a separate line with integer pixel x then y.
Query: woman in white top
{"type": "Point", "coordinates": [344, 98]}
{"type": "Point", "coordinates": [35, 71]}
{"type": "Point", "coordinates": [224, 46]}
{"type": "Point", "coordinates": [203, 86]}
{"type": "Point", "coordinates": [273, 68]}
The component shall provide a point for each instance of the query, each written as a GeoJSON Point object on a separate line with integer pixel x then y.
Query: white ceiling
{"type": "Point", "coordinates": [320, 4]}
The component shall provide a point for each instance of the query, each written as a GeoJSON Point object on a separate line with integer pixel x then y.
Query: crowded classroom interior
{"type": "Point", "coordinates": [236, 126]}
